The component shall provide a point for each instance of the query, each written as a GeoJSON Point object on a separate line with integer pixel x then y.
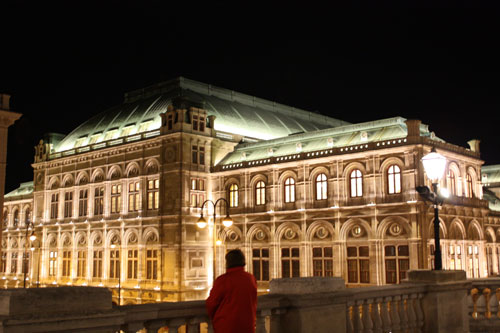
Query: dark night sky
{"type": "Point", "coordinates": [64, 64]}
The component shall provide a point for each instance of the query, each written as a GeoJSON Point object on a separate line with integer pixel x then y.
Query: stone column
{"type": "Point", "coordinates": [7, 118]}
{"type": "Point", "coordinates": [445, 303]}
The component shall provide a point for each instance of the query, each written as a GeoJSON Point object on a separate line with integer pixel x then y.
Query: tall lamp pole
{"type": "Point", "coordinates": [226, 221]}
{"type": "Point", "coordinates": [434, 165]}
{"type": "Point", "coordinates": [29, 226]}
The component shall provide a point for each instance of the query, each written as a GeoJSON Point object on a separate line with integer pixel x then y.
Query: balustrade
{"type": "Point", "coordinates": [483, 304]}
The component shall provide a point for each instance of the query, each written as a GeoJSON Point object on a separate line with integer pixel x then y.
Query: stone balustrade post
{"type": "Point", "coordinates": [444, 305]}
{"type": "Point", "coordinates": [316, 304]}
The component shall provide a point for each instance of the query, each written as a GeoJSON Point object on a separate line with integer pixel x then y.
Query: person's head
{"type": "Point", "coordinates": [235, 258]}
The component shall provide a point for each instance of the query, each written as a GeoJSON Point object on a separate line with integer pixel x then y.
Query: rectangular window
{"type": "Point", "coordinates": [66, 268]}
{"type": "Point", "coordinates": [94, 138]}
{"type": "Point", "coordinates": [97, 264]}
{"type": "Point", "coordinates": [134, 203]}
{"type": "Point", "coordinates": [132, 264]}
{"type": "Point", "coordinates": [114, 264]}
{"type": "Point", "coordinates": [68, 204]}
{"type": "Point", "coordinates": [54, 205]}
{"type": "Point", "coordinates": [290, 262]}
{"type": "Point", "coordinates": [82, 264]}
{"type": "Point", "coordinates": [153, 194]}
{"type": "Point", "coordinates": [13, 263]}
{"type": "Point", "coordinates": [198, 155]}
{"type": "Point", "coordinates": [197, 196]}
{"type": "Point", "coordinates": [82, 203]}
{"type": "Point", "coordinates": [202, 124]}
{"type": "Point", "coordinates": [116, 198]}
{"type": "Point", "coordinates": [169, 122]}
{"type": "Point", "coordinates": [195, 122]}
{"type": "Point", "coordinates": [260, 264]}
{"type": "Point", "coordinates": [358, 264]}
{"type": "Point", "coordinates": [397, 263]}
{"type": "Point", "coordinates": [322, 261]}
{"type": "Point", "coordinates": [98, 200]}
{"type": "Point", "coordinates": [151, 264]}
{"type": "Point", "coordinates": [52, 263]}
{"type": "Point", "coordinates": [3, 267]}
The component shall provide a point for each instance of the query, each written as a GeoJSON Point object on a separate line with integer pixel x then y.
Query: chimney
{"type": "Point", "coordinates": [4, 102]}
{"type": "Point", "coordinates": [474, 145]}
{"type": "Point", "coordinates": [413, 127]}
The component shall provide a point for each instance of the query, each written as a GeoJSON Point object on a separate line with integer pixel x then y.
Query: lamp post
{"type": "Point", "coordinates": [434, 165]}
{"type": "Point", "coordinates": [29, 226]}
{"type": "Point", "coordinates": [113, 246]}
{"type": "Point", "coordinates": [227, 222]}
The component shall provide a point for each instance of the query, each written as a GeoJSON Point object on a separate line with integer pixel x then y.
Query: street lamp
{"type": "Point", "coordinates": [226, 222]}
{"type": "Point", "coordinates": [113, 246]}
{"type": "Point", "coordinates": [29, 226]}
{"type": "Point", "coordinates": [434, 165]}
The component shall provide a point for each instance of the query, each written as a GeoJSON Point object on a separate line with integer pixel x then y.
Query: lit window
{"type": "Point", "coordinates": [233, 195]}
{"type": "Point", "coordinates": [321, 187]}
{"type": "Point", "coordinates": [66, 268]}
{"type": "Point", "coordinates": [394, 179]}
{"type": "Point", "coordinates": [114, 264]}
{"type": "Point", "coordinates": [16, 219]}
{"type": "Point", "coordinates": [197, 192]}
{"type": "Point", "coordinates": [81, 264]}
{"type": "Point", "coordinates": [97, 264]}
{"type": "Point", "coordinates": [356, 184]}
{"type": "Point", "coordinates": [132, 264]}
{"type": "Point", "coordinates": [134, 203]}
{"type": "Point", "coordinates": [153, 193]}
{"type": "Point", "coordinates": [116, 198]}
{"type": "Point", "coordinates": [151, 264]}
{"type": "Point", "coordinates": [289, 190]}
{"type": "Point", "coordinates": [260, 193]}
{"type": "Point", "coordinates": [99, 201]}
{"type": "Point", "coordinates": [13, 263]}
{"type": "Point", "coordinates": [52, 263]}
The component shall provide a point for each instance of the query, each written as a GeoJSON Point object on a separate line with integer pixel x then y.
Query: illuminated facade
{"type": "Point", "coordinates": [115, 202]}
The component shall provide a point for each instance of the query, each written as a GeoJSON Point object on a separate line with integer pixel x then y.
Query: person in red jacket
{"type": "Point", "coordinates": [232, 304]}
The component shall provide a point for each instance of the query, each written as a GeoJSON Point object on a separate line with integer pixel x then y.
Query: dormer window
{"type": "Point", "coordinates": [195, 123]}
{"type": "Point", "coordinates": [144, 126]}
{"type": "Point", "coordinates": [110, 134]}
{"type": "Point", "coordinates": [80, 141]}
{"type": "Point", "coordinates": [94, 138]}
{"type": "Point", "coordinates": [198, 123]}
{"type": "Point", "coordinates": [127, 130]}
{"type": "Point", "coordinates": [170, 121]}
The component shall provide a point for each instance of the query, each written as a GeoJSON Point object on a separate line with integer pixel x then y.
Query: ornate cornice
{"type": "Point", "coordinates": [7, 118]}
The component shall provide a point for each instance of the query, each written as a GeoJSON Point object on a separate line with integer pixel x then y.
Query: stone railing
{"type": "Point", "coordinates": [428, 302]}
{"type": "Point", "coordinates": [483, 303]}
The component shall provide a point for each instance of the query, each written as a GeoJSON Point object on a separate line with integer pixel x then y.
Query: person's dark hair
{"type": "Point", "coordinates": [235, 258]}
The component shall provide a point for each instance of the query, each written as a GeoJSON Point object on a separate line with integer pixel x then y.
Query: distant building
{"type": "Point", "coordinates": [115, 202]}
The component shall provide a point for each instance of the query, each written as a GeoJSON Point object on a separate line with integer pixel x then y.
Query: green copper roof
{"type": "Point", "coordinates": [23, 189]}
{"type": "Point", "coordinates": [494, 201]}
{"type": "Point", "coordinates": [343, 136]}
{"type": "Point", "coordinates": [235, 113]}
{"type": "Point", "coordinates": [490, 174]}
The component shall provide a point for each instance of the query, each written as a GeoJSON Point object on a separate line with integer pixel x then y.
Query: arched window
{"type": "Point", "coordinates": [290, 190]}
{"type": "Point", "coordinates": [27, 216]}
{"type": "Point", "coordinates": [394, 179]}
{"type": "Point", "coordinates": [452, 183]}
{"type": "Point", "coordinates": [233, 195]}
{"type": "Point", "coordinates": [321, 187]}
{"type": "Point", "coordinates": [469, 192]}
{"type": "Point", "coordinates": [16, 219]}
{"type": "Point", "coordinates": [5, 218]}
{"type": "Point", "coordinates": [260, 193]}
{"type": "Point", "coordinates": [356, 184]}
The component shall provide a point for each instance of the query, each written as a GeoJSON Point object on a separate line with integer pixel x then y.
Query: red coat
{"type": "Point", "coordinates": [232, 304]}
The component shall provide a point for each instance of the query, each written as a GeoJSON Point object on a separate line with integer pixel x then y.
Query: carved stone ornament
{"type": "Point", "coordinates": [169, 155]}
{"type": "Point", "coordinates": [232, 236]}
{"type": "Point", "coordinates": [132, 239]}
{"type": "Point", "coordinates": [98, 240]}
{"type": "Point", "coordinates": [133, 172]}
{"type": "Point", "coordinates": [4, 244]}
{"type": "Point", "coordinates": [260, 235]}
{"type": "Point", "coordinates": [357, 231]}
{"type": "Point", "coordinates": [52, 242]}
{"type": "Point", "coordinates": [82, 240]}
{"type": "Point", "coordinates": [395, 229]}
{"type": "Point", "coordinates": [290, 234]}
{"type": "Point", "coordinates": [152, 168]}
{"type": "Point", "coordinates": [152, 238]}
{"type": "Point", "coordinates": [321, 233]}
{"type": "Point", "coordinates": [67, 241]}
{"type": "Point", "coordinates": [39, 178]}
{"type": "Point", "coordinates": [115, 239]}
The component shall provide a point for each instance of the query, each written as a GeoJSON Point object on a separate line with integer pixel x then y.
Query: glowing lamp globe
{"type": "Point", "coordinates": [32, 238]}
{"type": "Point", "coordinates": [434, 165]}
{"type": "Point", "coordinates": [202, 223]}
{"type": "Point", "coordinates": [227, 221]}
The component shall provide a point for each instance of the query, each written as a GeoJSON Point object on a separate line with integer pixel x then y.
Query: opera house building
{"type": "Point", "coordinates": [118, 201]}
